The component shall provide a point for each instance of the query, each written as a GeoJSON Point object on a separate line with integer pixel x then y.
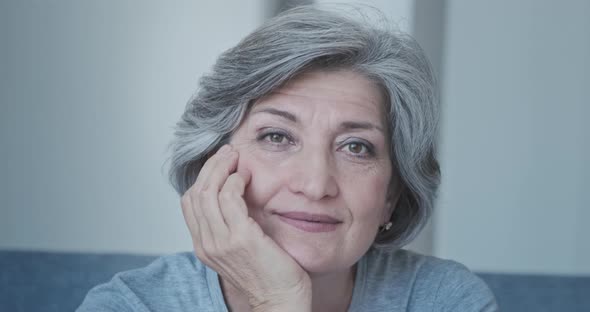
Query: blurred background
{"type": "Point", "coordinates": [90, 92]}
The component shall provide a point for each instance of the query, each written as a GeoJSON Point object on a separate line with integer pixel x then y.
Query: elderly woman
{"type": "Point", "coordinates": [305, 162]}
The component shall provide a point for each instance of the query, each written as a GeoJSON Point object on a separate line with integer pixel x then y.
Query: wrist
{"type": "Point", "coordinates": [298, 300]}
{"type": "Point", "coordinates": [292, 305]}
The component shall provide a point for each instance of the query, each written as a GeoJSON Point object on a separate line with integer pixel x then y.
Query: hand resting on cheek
{"type": "Point", "coordinates": [230, 242]}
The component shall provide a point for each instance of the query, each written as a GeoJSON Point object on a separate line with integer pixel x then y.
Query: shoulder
{"type": "Point", "coordinates": [458, 289]}
{"type": "Point", "coordinates": [165, 270]}
{"type": "Point", "coordinates": [428, 283]}
{"type": "Point", "coordinates": [171, 281]}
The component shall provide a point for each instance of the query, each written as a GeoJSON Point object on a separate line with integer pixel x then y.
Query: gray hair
{"type": "Point", "coordinates": [309, 38]}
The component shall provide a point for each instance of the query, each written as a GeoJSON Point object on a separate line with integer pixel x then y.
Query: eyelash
{"type": "Point", "coordinates": [265, 136]}
{"type": "Point", "coordinates": [368, 147]}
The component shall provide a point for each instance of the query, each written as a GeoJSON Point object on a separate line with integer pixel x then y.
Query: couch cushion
{"type": "Point", "coordinates": [50, 281]}
{"type": "Point", "coordinates": [43, 281]}
{"type": "Point", "coordinates": [516, 292]}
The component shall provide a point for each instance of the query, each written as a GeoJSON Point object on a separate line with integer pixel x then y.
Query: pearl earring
{"type": "Point", "coordinates": [386, 227]}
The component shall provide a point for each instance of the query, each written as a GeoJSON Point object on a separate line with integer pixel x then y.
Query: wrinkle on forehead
{"type": "Point", "coordinates": [324, 93]}
{"type": "Point", "coordinates": [333, 89]}
{"type": "Point", "coordinates": [324, 86]}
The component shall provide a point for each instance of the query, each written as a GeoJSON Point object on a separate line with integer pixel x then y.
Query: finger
{"type": "Point", "coordinates": [231, 201]}
{"type": "Point", "coordinates": [207, 168]}
{"type": "Point", "coordinates": [187, 212]}
{"type": "Point", "coordinates": [198, 194]}
{"type": "Point", "coordinates": [193, 226]}
{"type": "Point", "coordinates": [209, 197]}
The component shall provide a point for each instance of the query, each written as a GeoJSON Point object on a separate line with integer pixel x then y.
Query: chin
{"type": "Point", "coordinates": [312, 256]}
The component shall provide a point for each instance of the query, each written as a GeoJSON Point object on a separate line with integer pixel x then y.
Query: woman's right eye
{"type": "Point", "coordinates": [275, 138]}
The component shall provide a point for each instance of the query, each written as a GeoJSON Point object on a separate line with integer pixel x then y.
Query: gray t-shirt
{"type": "Point", "coordinates": [385, 281]}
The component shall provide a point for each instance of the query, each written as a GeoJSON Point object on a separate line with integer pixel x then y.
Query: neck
{"type": "Point", "coordinates": [330, 292]}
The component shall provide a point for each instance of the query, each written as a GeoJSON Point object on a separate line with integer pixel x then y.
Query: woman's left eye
{"type": "Point", "coordinates": [359, 149]}
{"type": "Point", "coordinates": [276, 138]}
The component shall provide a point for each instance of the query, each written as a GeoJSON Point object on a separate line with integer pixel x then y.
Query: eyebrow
{"type": "Point", "coordinates": [277, 112]}
{"type": "Point", "coordinates": [352, 125]}
{"type": "Point", "coordinates": [347, 125]}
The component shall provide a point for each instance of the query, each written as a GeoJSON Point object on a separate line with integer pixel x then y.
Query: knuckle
{"type": "Point", "coordinates": [202, 195]}
{"type": "Point", "coordinates": [206, 187]}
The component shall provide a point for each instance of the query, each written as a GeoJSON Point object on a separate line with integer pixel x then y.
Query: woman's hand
{"type": "Point", "coordinates": [230, 242]}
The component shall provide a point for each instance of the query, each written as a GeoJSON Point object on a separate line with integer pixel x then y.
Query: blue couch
{"type": "Point", "coordinates": [43, 281]}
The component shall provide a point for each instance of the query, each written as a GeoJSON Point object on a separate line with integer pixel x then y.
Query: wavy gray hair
{"type": "Point", "coordinates": [309, 38]}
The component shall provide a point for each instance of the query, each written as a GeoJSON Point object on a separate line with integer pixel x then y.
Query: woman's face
{"type": "Point", "coordinates": [318, 153]}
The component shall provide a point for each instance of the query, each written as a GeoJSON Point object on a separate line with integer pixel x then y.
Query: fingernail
{"type": "Point", "coordinates": [224, 149]}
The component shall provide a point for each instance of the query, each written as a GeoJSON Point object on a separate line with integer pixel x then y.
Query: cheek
{"type": "Point", "coordinates": [366, 195]}
{"type": "Point", "coordinates": [264, 181]}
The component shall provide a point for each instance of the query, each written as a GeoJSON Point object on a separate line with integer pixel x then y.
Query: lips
{"type": "Point", "coordinates": [309, 217]}
{"type": "Point", "coordinates": [310, 222]}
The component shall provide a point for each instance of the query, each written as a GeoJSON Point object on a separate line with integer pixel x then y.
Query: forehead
{"type": "Point", "coordinates": [349, 92]}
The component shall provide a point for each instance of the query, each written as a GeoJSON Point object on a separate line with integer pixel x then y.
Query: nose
{"type": "Point", "coordinates": [313, 175]}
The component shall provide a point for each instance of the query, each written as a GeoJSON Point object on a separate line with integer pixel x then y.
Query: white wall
{"type": "Point", "coordinates": [516, 144]}
{"type": "Point", "coordinates": [89, 93]}
{"type": "Point", "coordinates": [399, 12]}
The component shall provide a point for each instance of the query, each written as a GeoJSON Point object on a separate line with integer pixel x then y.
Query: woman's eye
{"type": "Point", "coordinates": [356, 148]}
{"type": "Point", "coordinates": [276, 137]}
{"type": "Point", "coordinates": [359, 149]}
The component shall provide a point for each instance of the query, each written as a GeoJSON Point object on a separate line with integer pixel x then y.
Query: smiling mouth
{"type": "Point", "coordinates": [313, 223]}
